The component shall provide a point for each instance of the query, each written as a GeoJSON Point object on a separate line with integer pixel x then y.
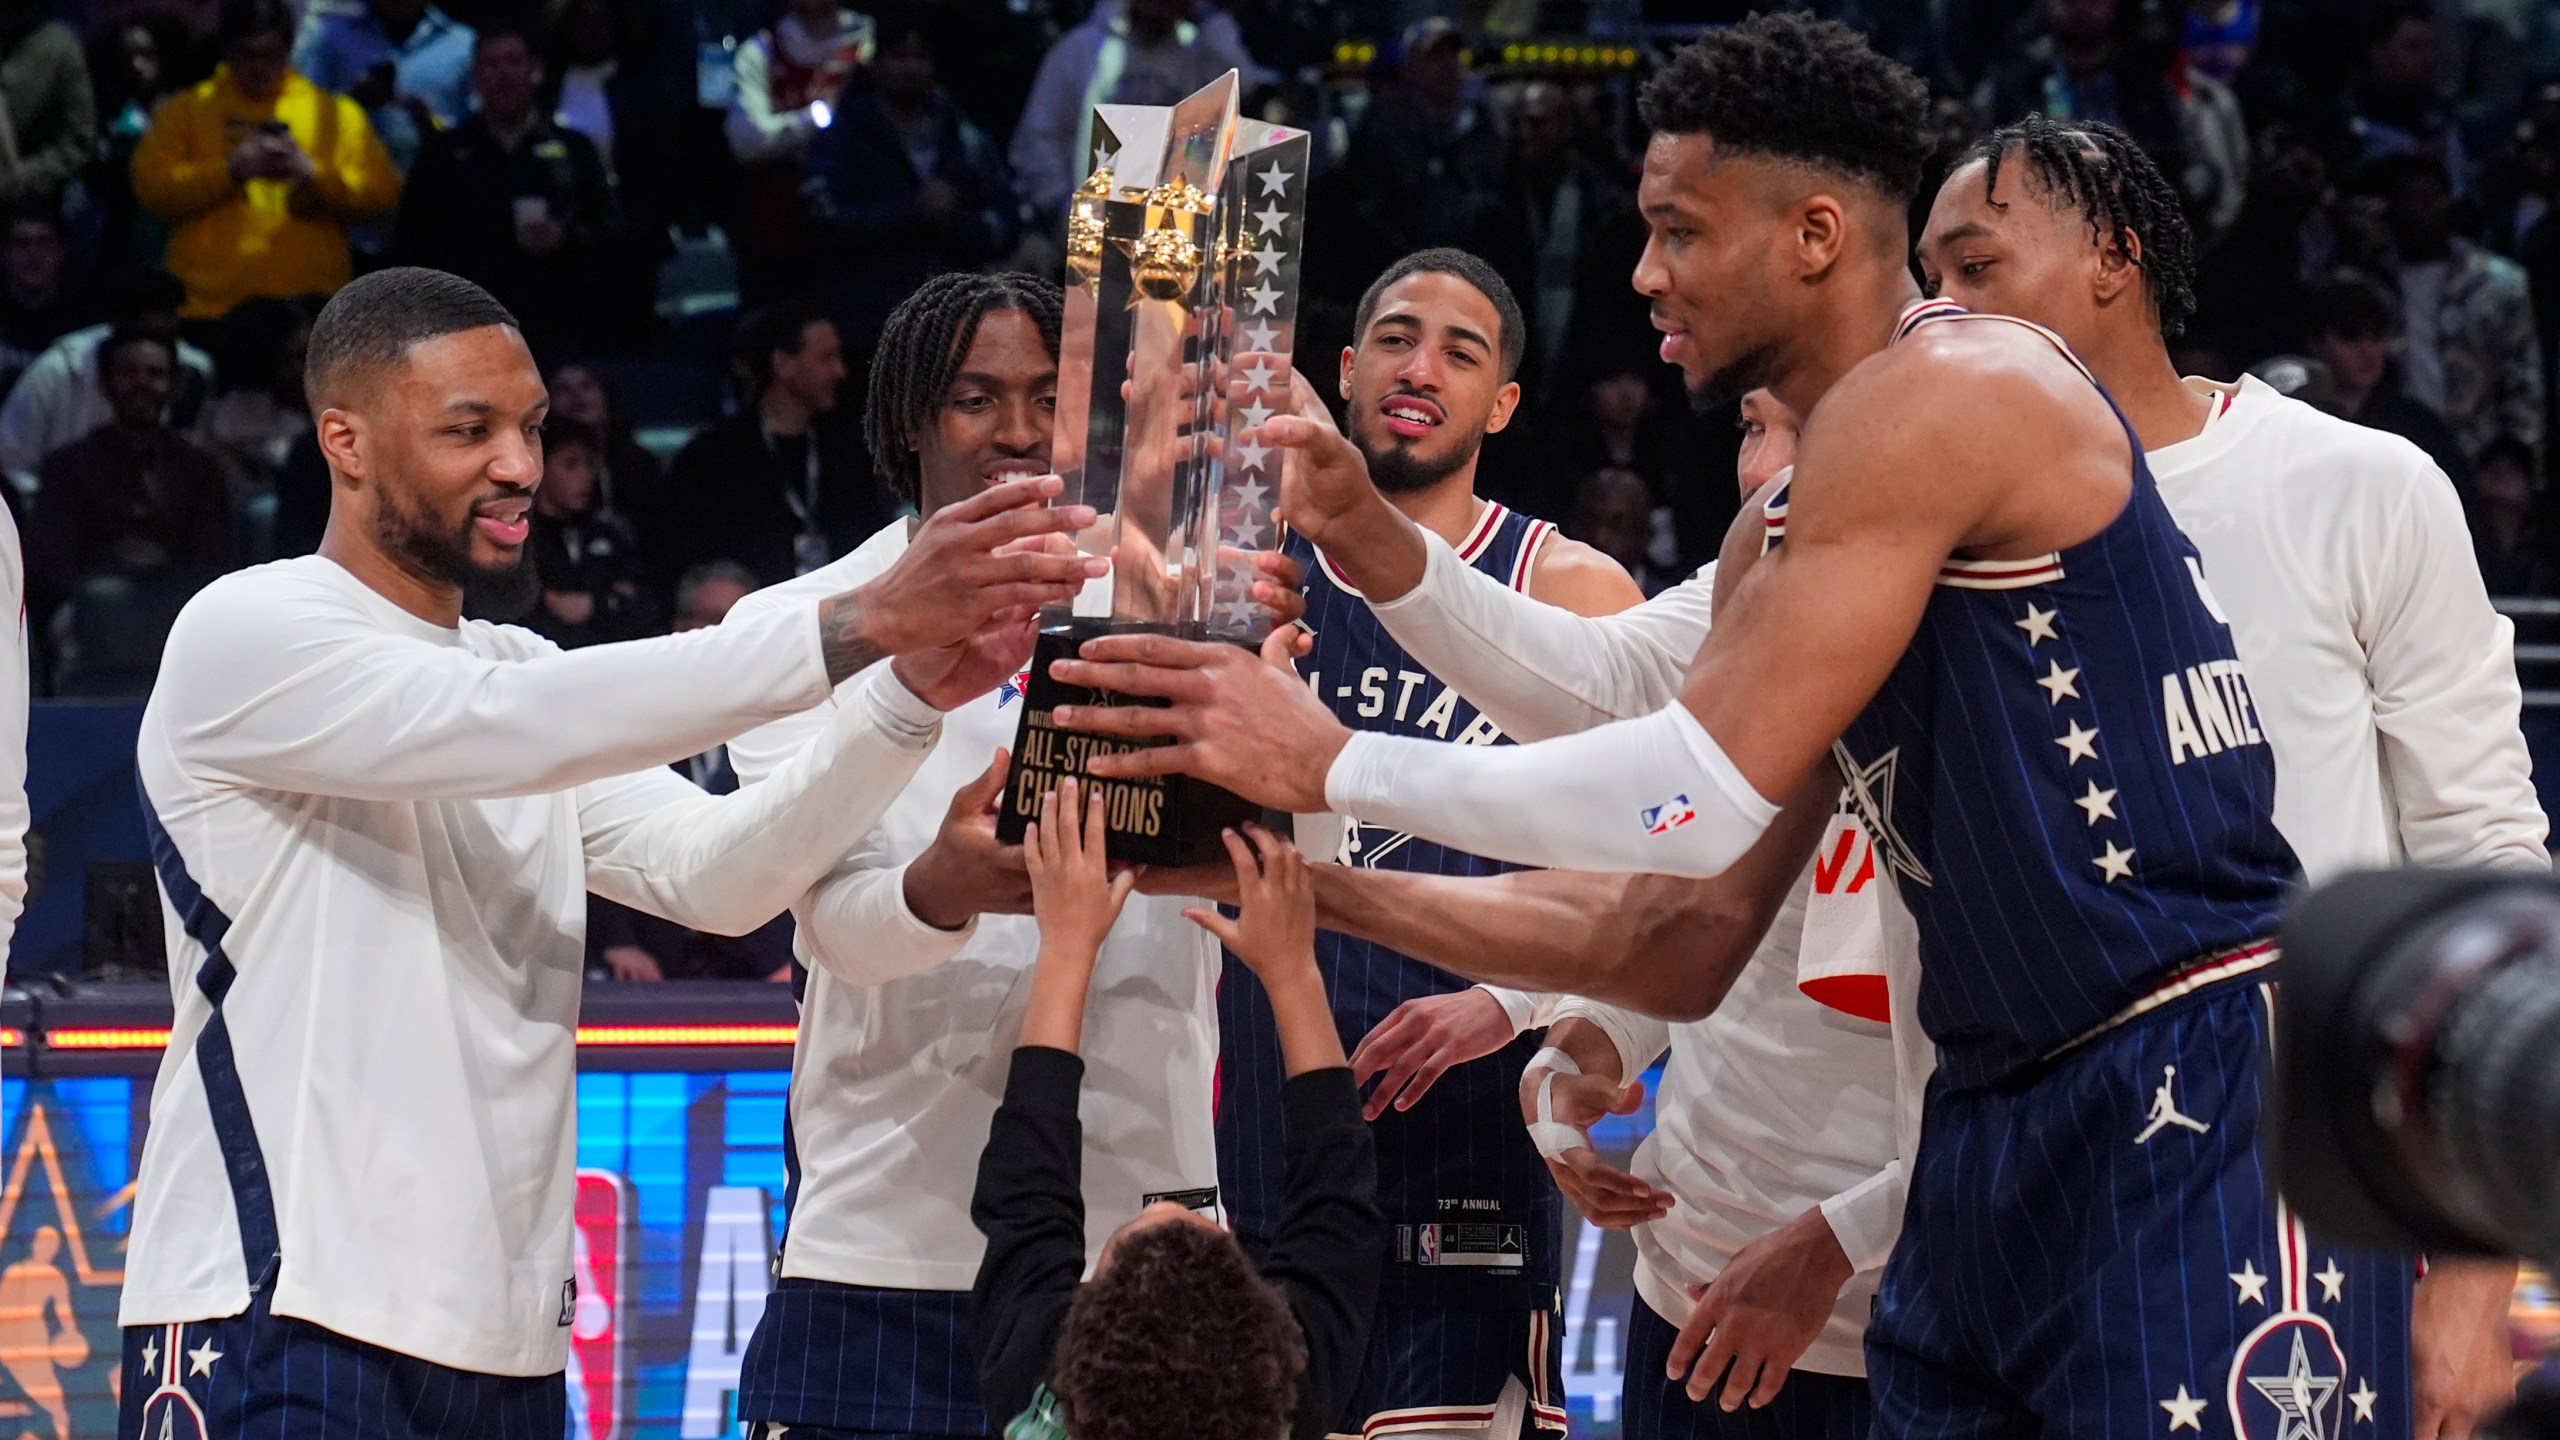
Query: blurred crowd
{"type": "Point", "coordinates": [703, 210]}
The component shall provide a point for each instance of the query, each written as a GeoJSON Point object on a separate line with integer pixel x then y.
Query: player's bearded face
{"type": "Point", "coordinates": [501, 589]}
{"type": "Point", "coordinates": [1424, 385]}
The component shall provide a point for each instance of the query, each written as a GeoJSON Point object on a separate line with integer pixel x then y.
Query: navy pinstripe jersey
{"type": "Point", "coordinates": [2066, 776]}
{"type": "Point", "coordinates": [1457, 1177]}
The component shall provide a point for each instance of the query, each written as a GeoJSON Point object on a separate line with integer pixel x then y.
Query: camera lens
{"type": "Point", "coordinates": [2418, 1056]}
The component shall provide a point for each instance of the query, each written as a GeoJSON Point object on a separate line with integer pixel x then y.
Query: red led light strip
{"type": "Point", "coordinates": [618, 1036]}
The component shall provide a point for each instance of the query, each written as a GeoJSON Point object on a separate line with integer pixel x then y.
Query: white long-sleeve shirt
{"type": "Point", "coordinates": [2384, 680]}
{"type": "Point", "coordinates": [1771, 1106]}
{"type": "Point", "coordinates": [907, 1032]}
{"type": "Point", "coordinates": [15, 685]}
{"type": "Point", "coordinates": [388, 829]}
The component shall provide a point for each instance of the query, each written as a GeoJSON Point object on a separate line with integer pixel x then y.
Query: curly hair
{"type": "Point", "coordinates": [2099, 170]}
{"type": "Point", "coordinates": [1178, 1338]}
{"type": "Point", "coordinates": [920, 351]}
{"type": "Point", "coordinates": [1800, 89]}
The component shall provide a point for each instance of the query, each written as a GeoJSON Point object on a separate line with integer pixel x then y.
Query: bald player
{"type": "Point", "coordinates": [376, 824]}
{"type": "Point", "coordinates": [1973, 590]}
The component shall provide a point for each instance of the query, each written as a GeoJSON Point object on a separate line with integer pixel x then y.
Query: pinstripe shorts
{"type": "Point", "coordinates": [260, 1376]}
{"type": "Point", "coordinates": [2098, 1248]}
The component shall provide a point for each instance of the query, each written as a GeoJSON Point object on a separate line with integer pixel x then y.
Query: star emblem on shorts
{"type": "Point", "coordinates": [2253, 1286]}
{"type": "Point", "coordinates": [2299, 1395]}
{"type": "Point", "coordinates": [2333, 1281]}
{"type": "Point", "coordinates": [2100, 804]}
{"type": "Point", "coordinates": [2362, 1397]}
{"type": "Point", "coordinates": [2080, 743]}
{"type": "Point", "coordinates": [151, 1352]}
{"type": "Point", "coordinates": [2038, 625]}
{"type": "Point", "coordinates": [2186, 1412]}
{"type": "Point", "coordinates": [2116, 864]}
{"type": "Point", "coordinates": [2061, 684]}
{"type": "Point", "coordinates": [200, 1359]}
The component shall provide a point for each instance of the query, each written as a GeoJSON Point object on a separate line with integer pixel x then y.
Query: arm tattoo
{"type": "Point", "coordinates": [841, 639]}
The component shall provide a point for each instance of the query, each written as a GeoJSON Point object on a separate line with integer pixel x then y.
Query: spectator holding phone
{"type": "Point", "coordinates": [259, 172]}
{"type": "Point", "coordinates": [1176, 1334]}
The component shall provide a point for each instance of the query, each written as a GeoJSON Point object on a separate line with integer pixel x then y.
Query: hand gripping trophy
{"type": "Point", "coordinates": [1182, 301]}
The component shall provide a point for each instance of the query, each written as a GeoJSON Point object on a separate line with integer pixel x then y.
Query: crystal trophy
{"type": "Point", "coordinates": [1181, 305]}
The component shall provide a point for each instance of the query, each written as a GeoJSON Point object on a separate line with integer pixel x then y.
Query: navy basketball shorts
{"type": "Point", "coordinates": [858, 1360]}
{"type": "Point", "coordinates": [2098, 1249]}
{"type": "Point", "coordinates": [1810, 1406]}
{"type": "Point", "coordinates": [1444, 1367]}
{"type": "Point", "coordinates": [261, 1376]}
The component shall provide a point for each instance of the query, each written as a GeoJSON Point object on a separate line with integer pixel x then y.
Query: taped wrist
{"type": "Point", "coordinates": [1655, 795]}
{"type": "Point", "coordinates": [1552, 1136]}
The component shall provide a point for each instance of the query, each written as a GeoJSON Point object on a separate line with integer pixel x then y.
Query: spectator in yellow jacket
{"type": "Point", "coordinates": [259, 172]}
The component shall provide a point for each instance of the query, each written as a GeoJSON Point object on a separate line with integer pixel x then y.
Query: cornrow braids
{"type": "Point", "coordinates": [2099, 170]}
{"type": "Point", "coordinates": [920, 351]}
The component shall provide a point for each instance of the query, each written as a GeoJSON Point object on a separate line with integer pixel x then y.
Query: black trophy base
{"type": "Point", "coordinates": [1165, 821]}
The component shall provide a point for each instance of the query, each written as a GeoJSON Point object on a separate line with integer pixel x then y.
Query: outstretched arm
{"type": "Point", "coordinates": [1657, 944]}
{"type": "Point", "coordinates": [1899, 471]}
{"type": "Point", "coordinates": [319, 699]}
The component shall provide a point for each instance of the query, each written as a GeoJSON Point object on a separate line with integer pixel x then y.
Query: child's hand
{"type": "Point", "coordinates": [1073, 893]}
{"type": "Point", "coordinates": [1276, 935]}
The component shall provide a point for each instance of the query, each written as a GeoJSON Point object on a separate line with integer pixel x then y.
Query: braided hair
{"type": "Point", "coordinates": [2098, 169]}
{"type": "Point", "coordinates": [920, 351]}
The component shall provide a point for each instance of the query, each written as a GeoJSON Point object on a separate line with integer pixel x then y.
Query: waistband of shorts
{"type": "Point", "coordinates": [2205, 972]}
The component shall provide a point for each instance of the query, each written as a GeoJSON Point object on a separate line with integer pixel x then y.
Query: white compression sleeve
{"type": "Point", "coordinates": [1649, 796]}
{"type": "Point", "coordinates": [1539, 670]}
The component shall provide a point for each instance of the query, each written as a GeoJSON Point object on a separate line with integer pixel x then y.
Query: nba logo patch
{"type": "Point", "coordinates": [1670, 815]}
{"type": "Point", "coordinates": [1426, 1245]}
{"type": "Point", "coordinates": [2289, 1381]}
{"type": "Point", "coordinates": [595, 1307]}
{"type": "Point", "coordinates": [1015, 688]}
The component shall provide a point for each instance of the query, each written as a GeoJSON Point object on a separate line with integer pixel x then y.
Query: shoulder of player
{"type": "Point", "coordinates": [1957, 405]}
{"type": "Point", "coordinates": [1579, 578]}
{"type": "Point", "coordinates": [2335, 457]}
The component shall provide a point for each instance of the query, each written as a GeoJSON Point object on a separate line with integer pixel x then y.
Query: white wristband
{"type": "Point", "coordinates": [1552, 1137]}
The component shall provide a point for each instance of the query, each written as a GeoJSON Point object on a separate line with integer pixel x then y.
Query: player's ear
{"type": "Point", "coordinates": [2119, 267]}
{"type": "Point", "coordinates": [1821, 233]}
{"type": "Point", "coordinates": [1347, 353]}
{"type": "Point", "coordinates": [341, 436]}
{"type": "Point", "coordinates": [1505, 402]}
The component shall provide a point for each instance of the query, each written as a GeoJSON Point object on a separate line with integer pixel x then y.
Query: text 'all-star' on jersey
{"type": "Point", "coordinates": [1471, 1206]}
{"type": "Point", "coordinates": [2066, 776]}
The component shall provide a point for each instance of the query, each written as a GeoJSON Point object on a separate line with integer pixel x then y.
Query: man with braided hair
{"type": "Point", "coordinates": [1970, 604]}
{"type": "Point", "coordinates": [918, 959]}
{"type": "Point", "coordinates": [2385, 681]}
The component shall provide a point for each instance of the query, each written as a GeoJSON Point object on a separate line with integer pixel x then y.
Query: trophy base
{"type": "Point", "coordinates": [1163, 821]}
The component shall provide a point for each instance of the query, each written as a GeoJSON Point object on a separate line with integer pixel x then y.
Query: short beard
{"type": "Point", "coordinates": [502, 593]}
{"type": "Point", "coordinates": [1716, 396]}
{"type": "Point", "coordinates": [1396, 470]}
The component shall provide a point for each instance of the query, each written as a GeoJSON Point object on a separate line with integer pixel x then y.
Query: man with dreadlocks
{"type": "Point", "coordinates": [918, 948]}
{"type": "Point", "coordinates": [2384, 680]}
{"type": "Point", "coordinates": [1971, 604]}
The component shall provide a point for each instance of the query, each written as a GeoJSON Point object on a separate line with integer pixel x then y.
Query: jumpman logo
{"type": "Point", "coordinates": [2164, 1109]}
